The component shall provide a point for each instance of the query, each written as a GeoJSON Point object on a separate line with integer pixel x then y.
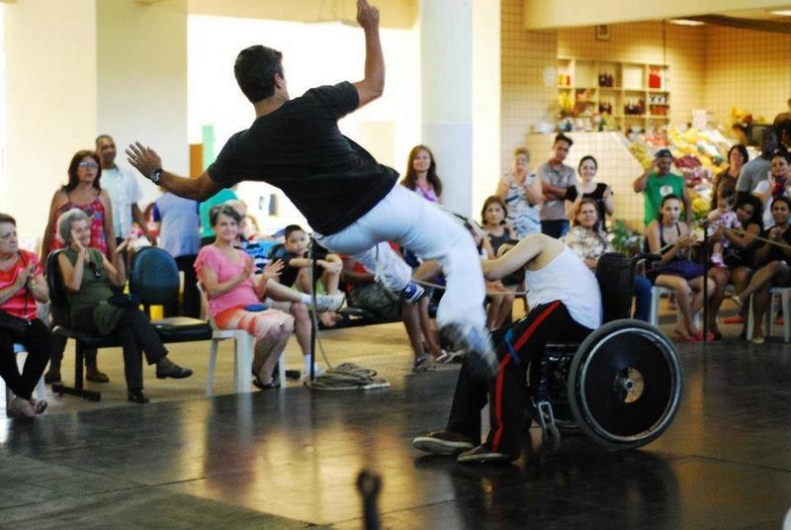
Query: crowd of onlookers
{"type": "Point", "coordinates": [243, 281]}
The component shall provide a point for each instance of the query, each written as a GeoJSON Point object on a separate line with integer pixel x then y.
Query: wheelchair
{"type": "Point", "coordinates": [621, 386]}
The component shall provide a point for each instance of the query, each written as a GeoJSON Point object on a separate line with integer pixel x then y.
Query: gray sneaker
{"type": "Point", "coordinates": [443, 443]}
{"type": "Point", "coordinates": [329, 302]}
{"type": "Point", "coordinates": [483, 454]}
{"type": "Point", "coordinates": [477, 344]}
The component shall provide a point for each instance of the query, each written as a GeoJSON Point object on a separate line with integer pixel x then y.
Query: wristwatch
{"type": "Point", "coordinates": [155, 176]}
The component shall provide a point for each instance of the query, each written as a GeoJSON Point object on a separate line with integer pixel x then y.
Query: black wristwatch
{"type": "Point", "coordinates": [155, 176]}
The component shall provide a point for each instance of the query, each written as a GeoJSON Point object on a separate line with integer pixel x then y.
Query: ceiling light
{"type": "Point", "coordinates": [685, 22]}
{"type": "Point", "coordinates": [782, 13]}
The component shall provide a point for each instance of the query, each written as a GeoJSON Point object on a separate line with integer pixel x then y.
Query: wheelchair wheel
{"type": "Point", "coordinates": [625, 384]}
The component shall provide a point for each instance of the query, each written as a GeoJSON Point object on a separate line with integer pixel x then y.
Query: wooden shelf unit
{"type": "Point", "coordinates": [628, 95]}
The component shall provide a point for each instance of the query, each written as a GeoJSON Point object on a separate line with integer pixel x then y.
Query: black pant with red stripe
{"type": "Point", "coordinates": [524, 342]}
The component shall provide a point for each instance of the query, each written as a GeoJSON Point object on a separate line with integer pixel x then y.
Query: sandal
{"type": "Point", "coordinates": [262, 386]}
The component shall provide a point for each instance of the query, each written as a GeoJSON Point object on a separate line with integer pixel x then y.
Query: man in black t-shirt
{"type": "Point", "coordinates": [348, 198]}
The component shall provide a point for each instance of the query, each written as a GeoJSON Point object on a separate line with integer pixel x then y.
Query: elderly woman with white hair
{"type": "Point", "coordinates": [87, 276]}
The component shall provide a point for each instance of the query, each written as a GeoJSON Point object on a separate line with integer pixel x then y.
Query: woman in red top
{"type": "Point", "coordinates": [21, 286]}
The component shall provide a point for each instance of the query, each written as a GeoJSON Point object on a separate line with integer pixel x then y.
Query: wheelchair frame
{"type": "Point", "coordinates": [621, 386]}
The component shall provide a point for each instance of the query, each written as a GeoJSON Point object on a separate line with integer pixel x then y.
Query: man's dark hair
{"type": "Point", "coordinates": [255, 70]}
{"type": "Point", "coordinates": [290, 229]}
{"type": "Point", "coordinates": [5, 218]}
{"type": "Point", "coordinates": [563, 138]}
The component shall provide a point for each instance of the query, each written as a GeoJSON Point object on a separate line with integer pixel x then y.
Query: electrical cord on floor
{"type": "Point", "coordinates": [348, 376]}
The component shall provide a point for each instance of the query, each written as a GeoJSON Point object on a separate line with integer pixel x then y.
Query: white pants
{"type": "Point", "coordinates": [415, 223]}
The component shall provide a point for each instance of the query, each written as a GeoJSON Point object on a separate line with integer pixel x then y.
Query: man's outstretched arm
{"type": "Point", "coordinates": [373, 85]}
{"type": "Point", "coordinates": [146, 160]}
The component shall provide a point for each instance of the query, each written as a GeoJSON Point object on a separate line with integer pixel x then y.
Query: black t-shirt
{"type": "Point", "coordinates": [775, 252]}
{"type": "Point", "coordinates": [288, 275]}
{"type": "Point", "coordinates": [298, 148]}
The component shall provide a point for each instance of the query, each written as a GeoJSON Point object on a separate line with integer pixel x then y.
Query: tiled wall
{"type": "Point", "coordinates": [526, 99]}
{"type": "Point", "coordinates": [709, 67]}
{"type": "Point", "coordinates": [749, 69]}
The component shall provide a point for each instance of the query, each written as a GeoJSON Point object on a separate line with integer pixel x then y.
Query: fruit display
{"type": "Point", "coordinates": [698, 154]}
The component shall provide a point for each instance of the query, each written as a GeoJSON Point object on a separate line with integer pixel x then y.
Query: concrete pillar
{"type": "Point", "coordinates": [460, 97]}
{"type": "Point", "coordinates": [142, 80]}
{"type": "Point", "coordinates": [51, 102]}
{"type": "Point", "coordinates": [76, 68]}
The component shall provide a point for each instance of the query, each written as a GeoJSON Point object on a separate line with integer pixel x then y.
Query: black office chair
{"type": "Point", "coordinates": [154, 278]}
{"type": "Point", "coordinates": [84, 340]}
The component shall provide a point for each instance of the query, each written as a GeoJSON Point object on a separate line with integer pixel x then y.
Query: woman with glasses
{"type": "Point", "coordinates": [87, 276]}
{"type": "Point", "coordinates": [21, 286]}
{"type": "Point", "coordinates": [84, 192]}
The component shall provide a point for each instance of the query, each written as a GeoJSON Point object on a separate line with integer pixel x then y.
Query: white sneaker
{"type": "Point", "coordinates": [329, 302]}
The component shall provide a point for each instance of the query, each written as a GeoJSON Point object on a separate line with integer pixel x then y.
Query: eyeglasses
{"type": "Point", "coordinates": [86, 165]}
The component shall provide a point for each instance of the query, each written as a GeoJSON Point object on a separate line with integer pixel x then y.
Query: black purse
{"type": "Point", "coordinates": [16, 326]}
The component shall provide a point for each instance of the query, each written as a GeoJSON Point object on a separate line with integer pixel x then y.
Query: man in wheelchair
{"type": "Point", "coordinates": [566, 306]}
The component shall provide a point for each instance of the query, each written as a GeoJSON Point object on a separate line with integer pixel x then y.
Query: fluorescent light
{"type": "Point", "coordinates": [782, 13]}
{"type": "Point", "coordinates": [685, 22]}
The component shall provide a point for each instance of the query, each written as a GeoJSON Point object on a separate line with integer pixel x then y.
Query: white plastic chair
{"type": "Point", "coordinates": [244, 343]}
{"type": "Point", "coordinates": [41, 387]}
{"type": "Point", "coordinates": [656, 293]}
{"type": "Point", "coordinates": [784, 293]}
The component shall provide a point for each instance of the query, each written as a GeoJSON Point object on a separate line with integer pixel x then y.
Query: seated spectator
{"type": "Point", "coordinates": [21, 286]}
{"type": "Point", "coordinates": [281, 297]}
{"type": "Point", "coordinates": [589, 243]}
{"type": "Point", "coordinates": [777, 183]}
{"type": "Point", "coordinates": [499, 298]}
{"type": "Point", "coordinates": [587, 188]}
{"type": "Point", "coordinates": [226, 274]}
{"type": "Point", "coordinates": [364, 292]}
{"type": "Point", "coordinates": [672, 239]}
{"type": "Point", "coordinates": [772, 265]}
{"type": "Point", "coordinates": [87, 277]}
{"type": "Point", "coordinates": [296, 270]}
{"type": "Point", "coordinates": [739, 259]}
{"type": "Point", "coordinates": [566, 306]}
{"type": "Point", "coordinates": [722, 217]}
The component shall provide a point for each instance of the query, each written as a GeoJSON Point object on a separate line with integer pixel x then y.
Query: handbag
{"type": "Point", "coordinates": [16, 326]}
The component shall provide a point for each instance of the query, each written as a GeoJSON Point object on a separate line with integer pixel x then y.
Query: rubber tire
{"type": "Point", "coordinates": [599, 411]}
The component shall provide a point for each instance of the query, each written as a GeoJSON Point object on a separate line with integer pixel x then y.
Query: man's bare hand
{"type": "Point", "coordinates": [367, 15]}
{"type": "Point", "coordinates": [145, 159]}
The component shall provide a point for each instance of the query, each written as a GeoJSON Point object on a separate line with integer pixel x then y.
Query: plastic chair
{"type": "Point", "coordinates": [41, 387]}
{"type": "Point", "coordinates": [656, 293]}
{"type": "Point", "coordinates": [154, 278]}
{"type": "Point", "coordinates": [784, 293]}
{"type": "Point", "coordinates": [244, 343]}
{"type": "Point", "coordinates": [84, 340]}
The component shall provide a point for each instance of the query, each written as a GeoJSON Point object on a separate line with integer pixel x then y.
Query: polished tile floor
{"type": "Point", "coordinates": [289, 458]}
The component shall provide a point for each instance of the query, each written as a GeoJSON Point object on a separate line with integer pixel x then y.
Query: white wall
{"type": "Point", "coordinates": [51, 101]}
{"type": "Point", "coordinates": [313, 54]}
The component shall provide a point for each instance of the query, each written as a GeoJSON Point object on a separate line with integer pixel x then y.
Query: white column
{"type": "Point", "coordinates": [142, 80]}
{"type": "Point", "coordinates": [460, 96]}
{"type": "Point", "coordinates": [75, 68]}
{"type": "Point", "coordinates": [51, 102]}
